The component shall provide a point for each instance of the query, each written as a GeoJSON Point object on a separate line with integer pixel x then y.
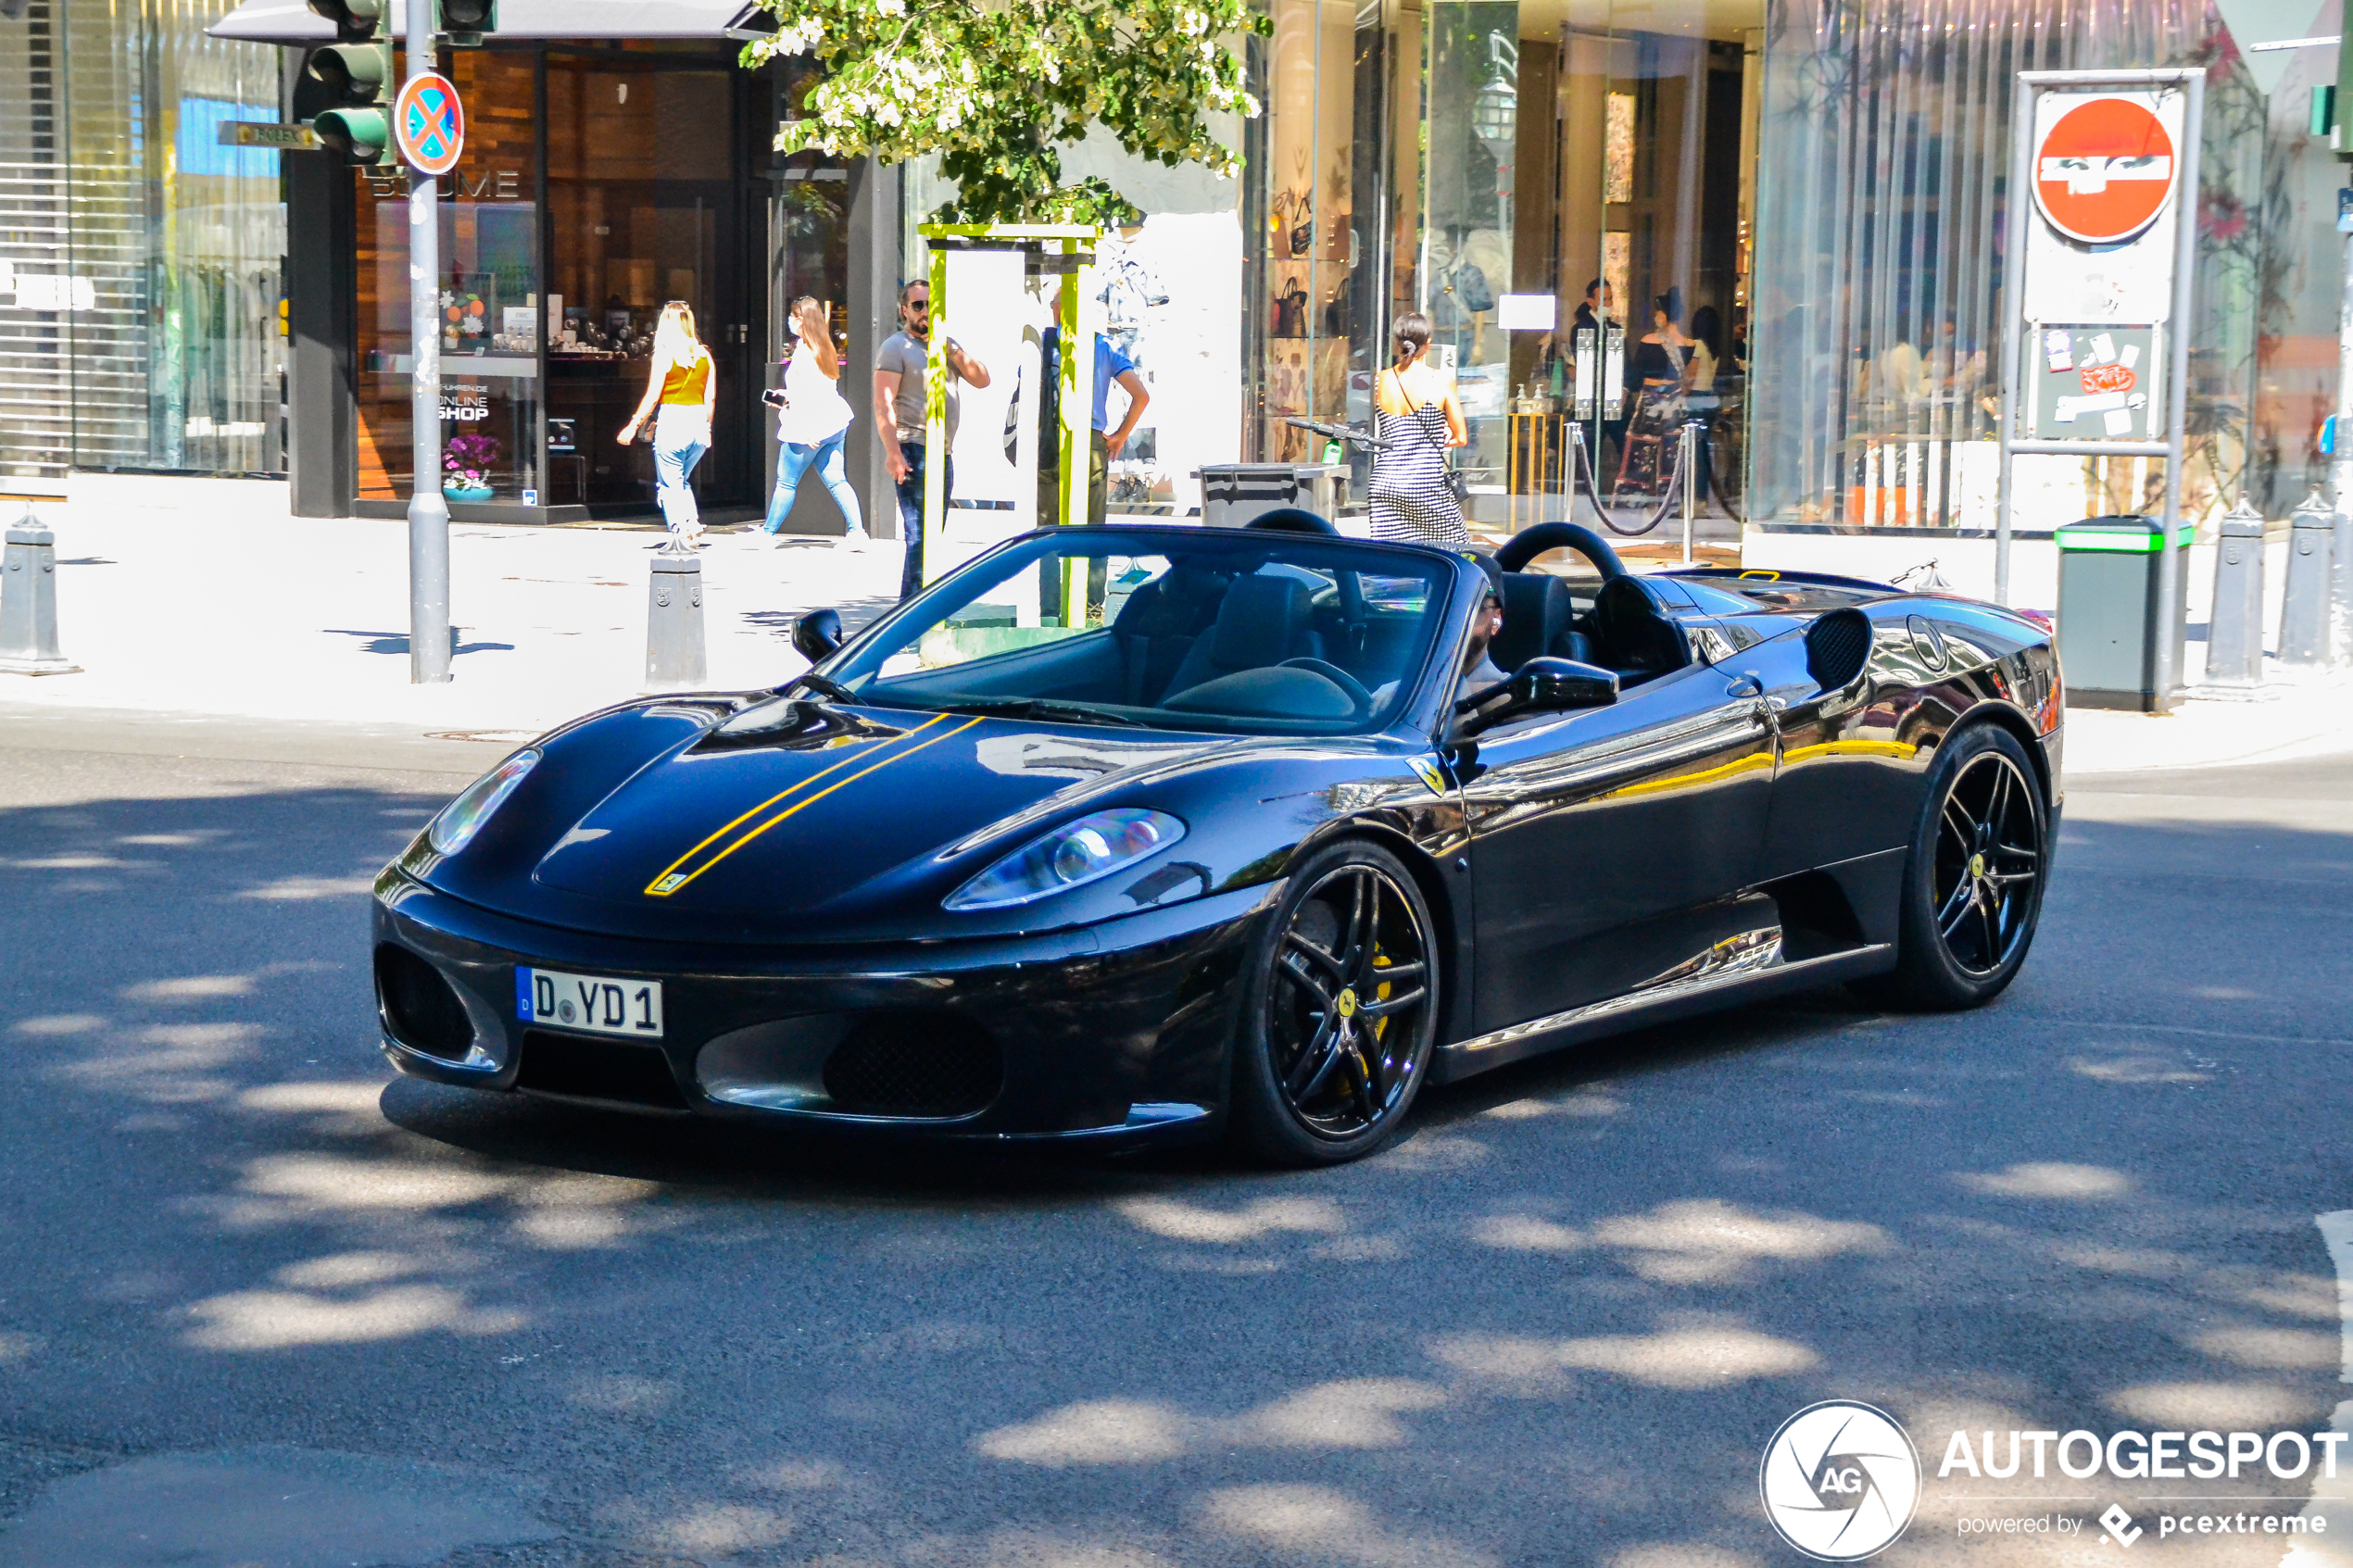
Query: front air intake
{"type": "Point", "coordinates": [584, 1067]}
{"type": "Point", "coordinates": [914, 1064]}
{"type": "Point", "coordinates": [418, 1007]}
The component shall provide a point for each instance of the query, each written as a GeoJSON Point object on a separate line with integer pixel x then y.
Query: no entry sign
{"type": "Point", "coordinates": [2104, 171]}
{"type": "Point", "coordinates": [428, 125]}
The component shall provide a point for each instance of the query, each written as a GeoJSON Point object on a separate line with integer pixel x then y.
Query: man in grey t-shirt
{"type": "Point", "coordinates": [900, 370]}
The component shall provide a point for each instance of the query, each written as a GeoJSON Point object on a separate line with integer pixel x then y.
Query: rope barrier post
{"type": "Point", "coordinates": [1684, 461]}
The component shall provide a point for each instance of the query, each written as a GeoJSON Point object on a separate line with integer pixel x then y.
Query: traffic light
{"type": "Point", "coordinates": [354, 78]}
{"type": "Point", "coordinates": [463, 22]}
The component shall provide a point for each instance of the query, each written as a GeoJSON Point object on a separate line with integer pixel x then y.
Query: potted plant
{"type": "Point", "coordinates": [467, 460]}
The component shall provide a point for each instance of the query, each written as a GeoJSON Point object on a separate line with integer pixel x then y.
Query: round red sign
{"type": "Point", "coordinates": [2104, 171]}
{"type": "Point", "coordinates": [428, 125]}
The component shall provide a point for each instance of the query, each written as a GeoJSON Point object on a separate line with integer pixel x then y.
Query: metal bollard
{"type": "Point", "coordinates": [2341, 589]}
{"type": "Point", "coordinates": [2304, 615]}
{"type": "Point", "coordinates": [674, 622]}
{"type": "Point", "coordinates": [29, 602]}
{"type": "Point", "coordinates": [2235, 638]}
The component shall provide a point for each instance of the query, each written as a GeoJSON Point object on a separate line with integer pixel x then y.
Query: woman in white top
{"type": "Point", "coordinates": [811, 421]}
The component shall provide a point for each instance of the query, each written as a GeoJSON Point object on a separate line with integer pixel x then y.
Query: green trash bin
{"type": "Point", "coordinates": [2109, 619]}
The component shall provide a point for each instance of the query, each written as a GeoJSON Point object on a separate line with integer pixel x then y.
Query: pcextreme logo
{"type": "Point", "coordinates": [1840, 1481]}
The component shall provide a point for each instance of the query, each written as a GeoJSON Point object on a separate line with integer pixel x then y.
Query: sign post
{"type": "Point", "coordinates": [429, 130]}
{"type": "Point", "coordinates": [2103, 242]}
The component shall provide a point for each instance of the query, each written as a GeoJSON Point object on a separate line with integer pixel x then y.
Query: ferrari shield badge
{"type": "Point", "coordinates": [1426, 769]}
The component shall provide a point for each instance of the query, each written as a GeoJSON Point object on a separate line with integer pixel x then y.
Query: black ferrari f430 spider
{"type": "Point", "coordinates": [1127, 834]}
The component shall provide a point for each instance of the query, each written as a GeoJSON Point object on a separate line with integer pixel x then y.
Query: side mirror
{"type": "Point", "coordinates": [816, 634]}
{"type": "Point", "coordinates": [1541, 686]}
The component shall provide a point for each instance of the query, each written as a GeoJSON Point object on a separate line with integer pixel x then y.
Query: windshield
{"type": "Point", "coordinates": [1239, 631]}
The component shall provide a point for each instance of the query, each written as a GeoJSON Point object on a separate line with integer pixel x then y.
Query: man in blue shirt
{"type": "Point", "coordinates": [1110, 366]}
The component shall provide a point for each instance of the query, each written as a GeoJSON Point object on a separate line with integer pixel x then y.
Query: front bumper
{"type": "Point", "coordinates": [1114, 1032]}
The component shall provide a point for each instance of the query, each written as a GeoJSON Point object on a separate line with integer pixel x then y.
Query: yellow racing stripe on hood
{"type": "Point", "coordinates": [672, 878]}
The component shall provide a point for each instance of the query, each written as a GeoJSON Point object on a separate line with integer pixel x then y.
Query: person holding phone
{"type": "Point", "coordinates": [813, 418]}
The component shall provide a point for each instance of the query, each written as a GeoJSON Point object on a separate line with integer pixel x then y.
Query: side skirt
{"type": "Point", "coordinates": [1744, 968]}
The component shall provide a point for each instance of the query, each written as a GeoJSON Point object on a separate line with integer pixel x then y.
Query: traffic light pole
{"type": "Point", "coordinates": [428, 512]}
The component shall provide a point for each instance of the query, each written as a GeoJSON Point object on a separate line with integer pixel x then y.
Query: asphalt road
{"type": "Point", "coordinates": [260, 1303]}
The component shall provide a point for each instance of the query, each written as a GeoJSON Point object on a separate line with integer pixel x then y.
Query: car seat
{"type": "Point", "coordinates": [1158, 625]}
{"type": "Point", "coordinates": [1538, 612]}
{"type": "Point", "coordinates": [1262, 621]}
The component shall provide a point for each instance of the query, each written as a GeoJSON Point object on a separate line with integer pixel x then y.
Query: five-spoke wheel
{"type": "Point", "coordinates": [1337, 1039]}
{"type": "Point", "coordinates": [1973, 882]}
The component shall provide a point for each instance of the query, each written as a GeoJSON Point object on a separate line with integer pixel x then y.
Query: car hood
{"type": "Point", "coordinates": [794, 811]}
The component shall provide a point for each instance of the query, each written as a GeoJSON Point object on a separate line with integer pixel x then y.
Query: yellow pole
{"type": "Point", "coordinates": [936, 416]}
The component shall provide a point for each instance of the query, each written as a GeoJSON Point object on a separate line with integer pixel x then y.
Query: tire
{"type": "Point", "coordinates": [1338, 1017]}
{"type": "Point", "coordinates": [1973, 879]}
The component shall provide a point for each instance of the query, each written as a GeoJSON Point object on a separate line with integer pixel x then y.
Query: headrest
{"type": "Point", "coordinates": [1258, 623]}
{"type": "Point", "coordinates": [1179, 603]}
{"type": "Point", "coordinates": [1537, 609]}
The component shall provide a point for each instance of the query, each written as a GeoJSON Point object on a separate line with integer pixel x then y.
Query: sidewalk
{"type": "Point", "coordinates": [307, 619]}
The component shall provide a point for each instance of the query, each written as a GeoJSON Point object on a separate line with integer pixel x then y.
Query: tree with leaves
{"type": "Point", "coordinates": [996, 86]}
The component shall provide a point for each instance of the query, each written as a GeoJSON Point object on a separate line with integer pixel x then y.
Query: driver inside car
{"type": "Point", "coordinates": [1479, 673]}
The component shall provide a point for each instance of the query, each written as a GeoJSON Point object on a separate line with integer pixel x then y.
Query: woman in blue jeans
{"type": "Point", "coordinates": [679, 394]}
{"type": "Point", "coordinates": [811, 421]}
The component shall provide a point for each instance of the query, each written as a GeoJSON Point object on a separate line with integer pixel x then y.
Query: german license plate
{"type": "Point", "coordinates": [595, 1003]}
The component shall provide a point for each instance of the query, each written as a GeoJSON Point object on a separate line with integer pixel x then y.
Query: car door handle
{"type": "Point", "coordinates": [1747, 685]}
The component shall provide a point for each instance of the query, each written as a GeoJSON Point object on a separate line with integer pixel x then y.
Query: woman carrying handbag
{"type": "Point", "coordinates": [679, 384]}
{"type": "Point", "coordinates": [1412, 490]}
{"type": "Point", "coordinates": [812, 420]}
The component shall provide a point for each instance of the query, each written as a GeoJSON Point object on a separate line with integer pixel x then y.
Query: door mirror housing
{"type": "Point", "coordinates": [1541, 686]}
{"type": "Point", "coordinates": [816, 634]}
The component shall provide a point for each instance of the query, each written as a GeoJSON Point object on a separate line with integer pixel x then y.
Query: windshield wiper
{"type": "Point", "coordinates": [1034, 708]}
{"type": "Point", "coordinates": [821, 686]}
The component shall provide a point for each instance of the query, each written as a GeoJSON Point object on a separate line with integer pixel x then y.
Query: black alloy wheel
{"type": "Point", "coordinates": [1340, 1021]}
{"type": "Point", "coordinates": [1989, 860]}
{"type": "Point", "coordinates": [1973, 881]}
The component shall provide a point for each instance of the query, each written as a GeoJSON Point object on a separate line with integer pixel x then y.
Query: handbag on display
{"type": "Point", "coordinates": [1290, 311]}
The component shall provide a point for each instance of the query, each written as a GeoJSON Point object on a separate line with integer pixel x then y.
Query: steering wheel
{"type": "Point", "coordinates": [1529, 543]}
{"type": "Point", "coordinates": [1349, 686]}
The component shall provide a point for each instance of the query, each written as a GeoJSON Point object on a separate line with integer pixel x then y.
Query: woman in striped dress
{"type": "Point", "coordinates": [1412, 495]}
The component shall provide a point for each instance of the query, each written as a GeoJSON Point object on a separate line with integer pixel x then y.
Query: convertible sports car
{"type": "Point", "coordinates": [1122, 835]}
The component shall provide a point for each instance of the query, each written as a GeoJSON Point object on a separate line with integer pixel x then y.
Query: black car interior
{"type": "Point", "coordinates": [1626, 627]}
{"type": "Point", "coordinates": [1221, 634]}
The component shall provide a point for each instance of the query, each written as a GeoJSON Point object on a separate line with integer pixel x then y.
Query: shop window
{"type": "Point", "coordinates": [489, 301]}
{"type": "Point", "coordinates": [643, 207]}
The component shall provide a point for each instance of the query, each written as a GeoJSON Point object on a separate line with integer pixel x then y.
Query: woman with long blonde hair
{"type": "Point", "coordinates": [679, 385]}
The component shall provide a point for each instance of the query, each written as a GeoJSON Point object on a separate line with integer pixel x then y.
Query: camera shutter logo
{"type": "Point", "coordinates": [1840, 1481]}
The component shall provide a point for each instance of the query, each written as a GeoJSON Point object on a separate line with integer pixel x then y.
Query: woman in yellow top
{"type": "Point", "coordinates": [680, 381]}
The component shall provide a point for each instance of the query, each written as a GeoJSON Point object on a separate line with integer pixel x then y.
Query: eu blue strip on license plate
{"type": "Point", "coordinates": [595, 1003]}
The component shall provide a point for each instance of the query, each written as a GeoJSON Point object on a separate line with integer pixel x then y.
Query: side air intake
{"type": "Point", "coordinates": [1837, 646]}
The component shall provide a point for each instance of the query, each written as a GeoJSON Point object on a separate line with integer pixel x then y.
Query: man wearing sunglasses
{"type": "Point", "coordinates": [900, 372]}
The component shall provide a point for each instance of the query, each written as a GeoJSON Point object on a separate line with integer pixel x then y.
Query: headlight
{"type": "Point", "coordinates": [1071, 856]}
{"type": "Point", "coordinates": [463, 817]}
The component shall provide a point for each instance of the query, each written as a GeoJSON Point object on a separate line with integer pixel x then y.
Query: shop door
{"type": "Point", "coordinates": [644, 204]}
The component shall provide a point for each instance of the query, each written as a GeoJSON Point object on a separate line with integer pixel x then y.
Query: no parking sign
{"type": "Point", "coordinates": [429, 125]}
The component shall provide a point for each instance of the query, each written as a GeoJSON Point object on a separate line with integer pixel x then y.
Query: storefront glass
{"type": "Point", "coordinates": [1881, 281]}
{"type": "Point", "coordinates": [595, 188]}
{"type": "Point", "coordinates": [490, 307]}
{"type": "Point", "coordinates": [643, 208]}
{"type": "Point", "coordinates": [140, 265]}
{"type": "Point", "coordinates": [1507, 153]}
